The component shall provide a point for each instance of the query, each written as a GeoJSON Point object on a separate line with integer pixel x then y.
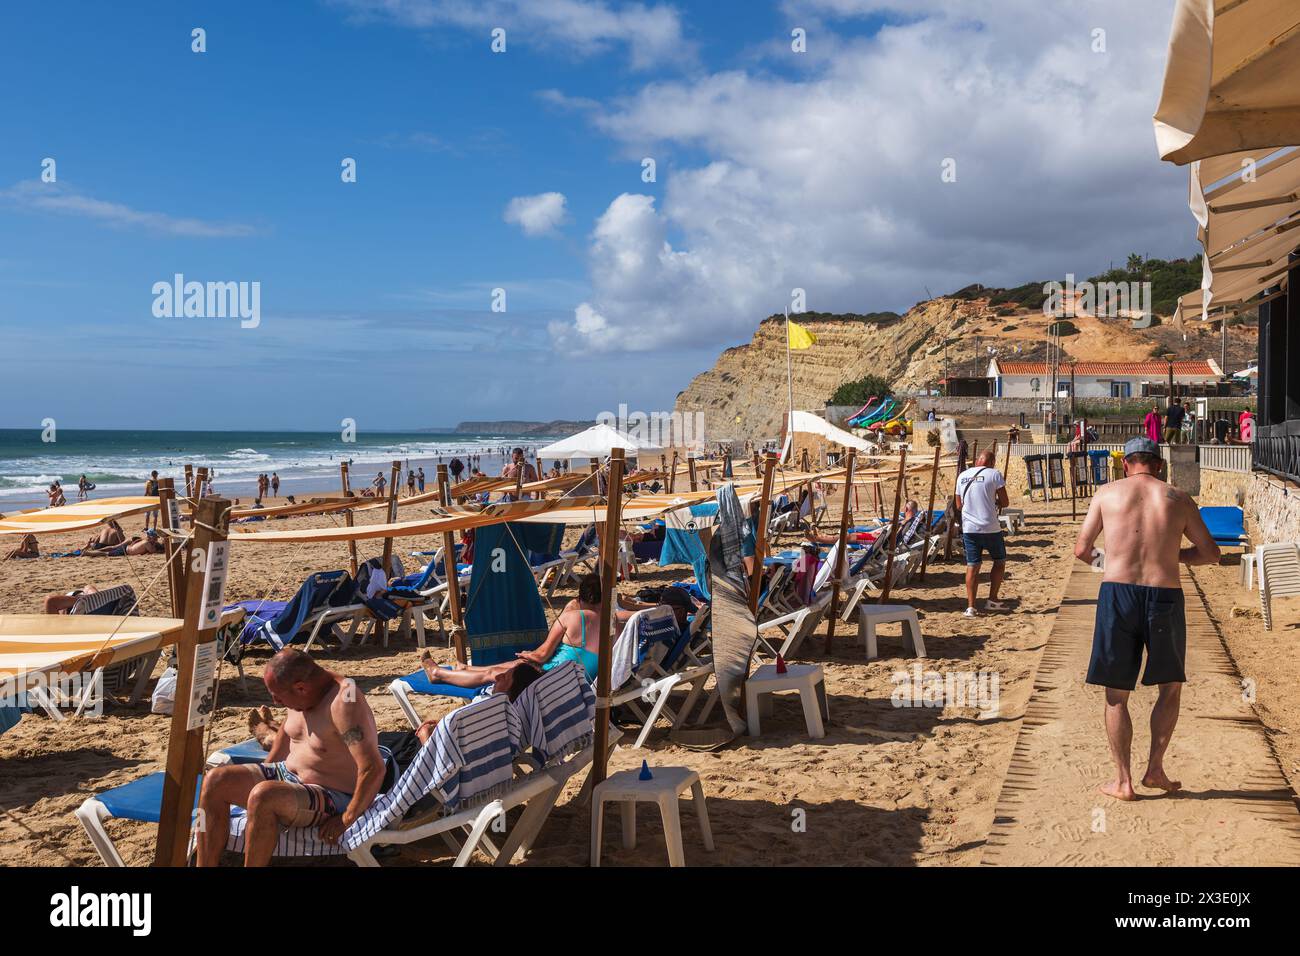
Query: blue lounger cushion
{"type": "Point", "coordinates": [1226, 524]}
{"type": "Point", "coordinates": [138, 800]}
{"type": "Point", "coordinates": [420, 684]}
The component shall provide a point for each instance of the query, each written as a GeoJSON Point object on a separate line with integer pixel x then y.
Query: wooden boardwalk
{"type": "Point", "coordinates": [1236, 807]}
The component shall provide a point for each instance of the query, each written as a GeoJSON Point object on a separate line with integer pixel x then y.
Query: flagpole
{"type": "Point", "coordinates": [789, 379]}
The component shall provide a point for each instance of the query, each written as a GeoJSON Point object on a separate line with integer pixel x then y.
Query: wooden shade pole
{"type": "Point", "coordinates": [175, 570]}
{"type": "Point", "coordinates": [347, 515]}
{"type": "Point", "coordinates": [947, 543]}
{"type": "Point", "coordinates": [692, 474]}
{"type": "Point", "coordinates": [841, 548]}
{"type": "Point", "coordinates": [189, 481]}
{"type": "Point", "coordinates": [200, 477]}
{"type": "Point", "coordinates": [608, 571]}
{"type": "Point", "coordinates": [929, 512]}
{"type": "Point", "coordinates": [760, 532]}
{"type": "Point", "coordinates": [452, 575]}
{"type": "Point", "coordinates": [893, 528]}
{"type": "Point", "coordinates": [392, 516]}
{"type": "Point", "coordinates": [185, 746]}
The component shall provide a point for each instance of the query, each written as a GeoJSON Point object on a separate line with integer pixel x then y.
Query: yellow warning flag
{"type": "Point", "coordinates": [799, 337]}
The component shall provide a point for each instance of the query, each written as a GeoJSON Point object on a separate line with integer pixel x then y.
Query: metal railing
{"type": "Point", "coordinates": [1237, 458]}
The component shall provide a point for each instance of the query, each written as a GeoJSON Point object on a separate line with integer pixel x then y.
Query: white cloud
{"type": "Point", "coordinates": [830, 180]}
{"type": "Point", "coordinates": [58, 198]}
{"type": "Point", "coordinates": [652, 33]}
{"type": "Point", "coordinates": [536, 215]}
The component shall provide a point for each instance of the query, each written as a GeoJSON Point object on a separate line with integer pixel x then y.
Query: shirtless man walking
{"type": "Point", "coordinates": [1141, 603]}
{"type": "Point", "coordinates": [324, 767]}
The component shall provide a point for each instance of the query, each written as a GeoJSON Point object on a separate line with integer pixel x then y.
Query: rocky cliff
{"type": "Point", "coordinates": [744, 394]}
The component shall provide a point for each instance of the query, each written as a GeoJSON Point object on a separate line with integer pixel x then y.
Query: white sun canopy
{"type": "Point", "coordinates": [596, 442]}
{"type": "Point", "coordinates": [808, 423]}
{"type": "Point", "coordinates": [1231, 80]}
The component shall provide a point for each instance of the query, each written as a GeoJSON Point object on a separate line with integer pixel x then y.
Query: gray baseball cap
{"type": "Point", "coordinates": [1139, 446]}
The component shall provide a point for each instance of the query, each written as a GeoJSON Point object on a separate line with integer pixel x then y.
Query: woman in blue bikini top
{"type": "Point", "coordinates": [562, 645]}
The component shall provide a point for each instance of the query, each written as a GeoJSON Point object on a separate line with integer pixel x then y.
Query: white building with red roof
{"type": "Point", "coordinates": [1100, 379]}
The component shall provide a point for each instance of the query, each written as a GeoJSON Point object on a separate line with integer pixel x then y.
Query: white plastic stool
{"type": "Point", "coordinates": [664, 788]}
{"type": "Point", "coordinates": [1248, 571]}
{"type": "Point", "coordinates": [1012, 519]}
{"type": "Point", "coordinates": [807, 679]}
{"type": "Point", "coordinates": [869, 615]}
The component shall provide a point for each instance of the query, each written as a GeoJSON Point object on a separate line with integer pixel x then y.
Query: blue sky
{"type": "Point", "coordinates": [775, 170]}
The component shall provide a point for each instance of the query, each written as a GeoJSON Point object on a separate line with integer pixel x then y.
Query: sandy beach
{"type": "Point", "coordinates": [886, 786]}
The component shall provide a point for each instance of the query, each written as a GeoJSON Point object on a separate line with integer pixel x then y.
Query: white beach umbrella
{"type": "Point", "coordinates": [596, 442]}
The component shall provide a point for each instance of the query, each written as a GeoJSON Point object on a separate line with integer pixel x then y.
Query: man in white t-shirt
{"type": "Point", "coordinates": [981, 493]}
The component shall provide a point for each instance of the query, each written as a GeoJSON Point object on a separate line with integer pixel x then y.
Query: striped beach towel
{"type": "Point", "coordinates": [556, 713]}
{"type": "Point", "coordinates": [467, 761]}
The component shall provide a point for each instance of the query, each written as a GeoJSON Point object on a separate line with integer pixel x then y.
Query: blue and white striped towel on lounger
{"type": "Point", "coordinates": [556, 713]}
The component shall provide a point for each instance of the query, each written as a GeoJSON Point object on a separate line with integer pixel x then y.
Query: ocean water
{"type": "Point", "coordinates": [119, 461]}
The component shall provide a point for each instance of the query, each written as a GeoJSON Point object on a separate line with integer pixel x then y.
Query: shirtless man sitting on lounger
{"type": "Point", "coordinates": [324, 767]}
{"type": "Point", "coordinates": [1141, 603]}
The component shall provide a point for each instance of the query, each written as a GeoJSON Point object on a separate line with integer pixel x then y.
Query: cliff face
{"type": "Point", "coordinates": [744, 394]}
{"type": "Point", "coordinates": [516, 429]}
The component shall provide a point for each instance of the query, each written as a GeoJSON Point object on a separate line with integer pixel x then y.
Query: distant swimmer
{"type": "Point", "coordinates": [1141, 603]}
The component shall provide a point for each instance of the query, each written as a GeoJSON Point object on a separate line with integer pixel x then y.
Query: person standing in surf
{"type": "Point", "coordinates": [1140, 605]}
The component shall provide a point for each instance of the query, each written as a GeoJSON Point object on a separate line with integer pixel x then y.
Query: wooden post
{"type": "Point", "coordinates": [893, 528]}
{"type": "Point", "coordinates": [175, 570]}
{"type": "Point", "coordinates": [760, 532]}
{"type": "Point", "coordinates": [347, 515]}
{"type": "Point", "coordinates": [1074, 491]}
{"type": "Point", "coordinates": [200, 477]}
{"type": "Point", "coordinates": [608, 571]}
{"type": "Point", "coordinates": [189, 481]}
{"type": "Point", "coordinates": [392, 516]}
{"type": "Point", "coordinates": [185, 746]}
{"type": "Point", "coordinates": [691, 473]}
{"type": "Point", "coordinates": [1006, 463]}
{"type": "Point", "coordinates": [452, 575]}
{"type": "Point", "coordinates": [947, 544]}
{"type": "Point", "coordinates": [672, 475]}
{"type": "Point", "coordinates": [929, 511]}
{"type": "Point", "coordinates": [841, 549]}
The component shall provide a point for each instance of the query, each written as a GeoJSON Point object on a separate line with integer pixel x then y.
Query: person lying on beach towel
{"type": "Point", "coordinates": [150, 543]}
{"type": "Point", "coordinates": [27, 548]}
{"type": "Point", "coordinates": [323, 769]}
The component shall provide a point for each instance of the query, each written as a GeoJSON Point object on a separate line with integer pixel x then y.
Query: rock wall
{"type": "Point", "coordinates": [1224, 487]}
{"type": "Point", "coordinates": [744, 395]}
{"type": "Point", "coordinates": [1272, 509]}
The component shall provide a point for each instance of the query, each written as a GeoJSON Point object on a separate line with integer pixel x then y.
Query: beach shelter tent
{"type": "Point", "coordinates": [1230, 80]}
{"type": "Point", "coordinates": [811, 424]}
{"type": "Point", "coordinates": [596, 442]}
